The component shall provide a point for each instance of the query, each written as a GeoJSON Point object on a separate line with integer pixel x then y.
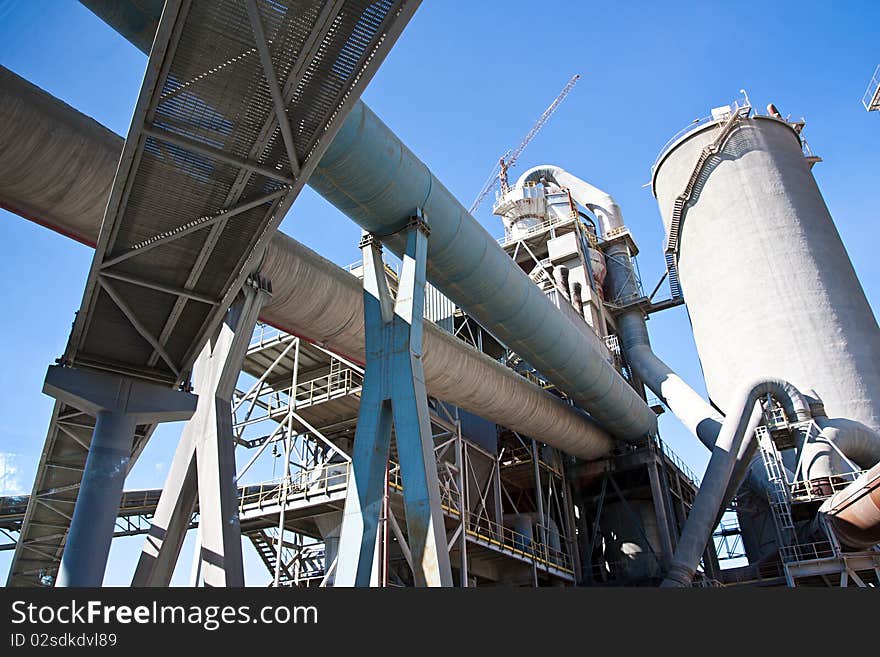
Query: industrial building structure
{"type": "Point", "coordinates": [483, 413]}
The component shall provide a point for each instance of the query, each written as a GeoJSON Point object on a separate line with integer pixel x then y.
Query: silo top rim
{"type": "Point", "coordinates": [698, 127]}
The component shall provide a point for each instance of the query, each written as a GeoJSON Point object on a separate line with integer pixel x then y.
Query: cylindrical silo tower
{"type": "Point", "coordinates": [768, 284]}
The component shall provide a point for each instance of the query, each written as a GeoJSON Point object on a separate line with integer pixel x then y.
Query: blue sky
{"type": "Point", "coordinates": [464, 83]}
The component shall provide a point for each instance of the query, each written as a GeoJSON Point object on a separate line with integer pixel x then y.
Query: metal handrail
{"type": "Point", "coordinates": [677, 461]}
{"type": "Point", "coordinates": [316, 481]}
{"type": "Point", "coordinates": [264, 334]}
{"type": "Point", "coordinates": [273, 402]}
{"type": "Point", "coordinates": [807, 551]}
{"type": "Point", "coordinates": [807, 490]}
{"type": "Point", "coordinates": [303, 483]}
{"type": "Point", "coordinates": [503, 538]}
{"type": "Point", "coordinates": [534, 230]}
{"type": "Point", "coordinates": [705, 120]}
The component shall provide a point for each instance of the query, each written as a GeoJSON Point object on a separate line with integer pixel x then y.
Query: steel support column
{"type": "Point", "coordinates": [394, 390]}
{"type": "Point", "coordinates": [119, 404]}
{"type": "Point", "coordinates": [204, 463]}
{"type": "Point", "coordinates": [666, 549]}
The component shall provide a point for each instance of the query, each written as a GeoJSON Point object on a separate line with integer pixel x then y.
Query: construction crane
{"type": "Point", "coordinates": [499, 172]}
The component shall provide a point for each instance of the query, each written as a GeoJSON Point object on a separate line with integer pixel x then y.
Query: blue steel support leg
{"type": "Point", "coordinates": [97, 505]}
{"type": "Point", "coordinates": [372, 440]}
{"type": "Point", "coordinates": [394, 385]}
{"type": "Point", "coordinates": [415, 445]}
{"type": "Point", "coordinates": [118, 404]}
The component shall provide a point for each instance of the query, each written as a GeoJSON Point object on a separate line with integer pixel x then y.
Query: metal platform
{"type": "Point", "coordinates": [207, 174]}
{"type": "Point", "coordinates": [239, 102]}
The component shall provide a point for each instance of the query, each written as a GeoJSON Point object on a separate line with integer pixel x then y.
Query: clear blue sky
{"type": "Point", "coordinates": [464, 83]}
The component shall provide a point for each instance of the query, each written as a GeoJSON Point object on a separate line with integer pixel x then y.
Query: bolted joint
{"type": "Point", "coordinates": [420, 223]}
{"type": "Point", "coordinates": [259, 283]}
{"type": "Point", "coordinates": [369, 239]}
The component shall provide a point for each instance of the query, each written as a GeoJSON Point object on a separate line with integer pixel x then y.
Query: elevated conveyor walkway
{"type": "Point", "coordinates": [239, 102]}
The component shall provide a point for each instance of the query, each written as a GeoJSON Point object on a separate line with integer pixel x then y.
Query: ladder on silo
{"type": "Point", "coordinates": [681, 202]}
{"type": "Point", "coordinates": [778, 494]}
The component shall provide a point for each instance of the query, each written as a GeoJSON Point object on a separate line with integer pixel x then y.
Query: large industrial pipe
{"type": "Point", "coordinates": [686, 404]}
{"type": "Point", "coordinates": [370, 175]}
{"type": "Point", "coordinates": [56, 168]}
{"type": "Point", "coordinates": [822, 455]}
{"type": "Point", "coordinates": [702, 518]}
{"type": "Point", "coordinates": [854, 512]}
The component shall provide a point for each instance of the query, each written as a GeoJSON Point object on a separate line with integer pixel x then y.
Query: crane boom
{"type": "Point", "coordinates": [499, 171]}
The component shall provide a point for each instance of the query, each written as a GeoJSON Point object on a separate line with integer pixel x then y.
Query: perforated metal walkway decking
{"type": "Point", "coordinates": [239, 102]}
{"type": "Point", "coordinates": [207, 173]}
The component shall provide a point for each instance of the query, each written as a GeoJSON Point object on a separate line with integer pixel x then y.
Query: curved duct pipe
{"type": "Point", "coordinates": [701, 520]}
{"type": "Point", "coordinates": [856, 441]}
{"type": "Point", "coordinates": [59, 164]}
{"type": "Point", "coordinates": [853, 514]}
{"type": "Point", "coordinates": [695, 413]}
{"type": "Point", "coordinates": [372, 177]}
{"type": "Point", "coordinates": [594, 199]}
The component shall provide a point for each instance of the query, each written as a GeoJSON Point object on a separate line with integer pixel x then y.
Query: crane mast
{"type": "Point", "coordinates": [506, 161]}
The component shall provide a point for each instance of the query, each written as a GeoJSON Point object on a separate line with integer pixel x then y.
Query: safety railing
{"type": "Point", "coordinates": [676, 460]}
{"type": "Point", "coordinates": [754, 573]}
{"type": "Point", "coordinates": [271, 403]}
{"type": "Point", "coordinates": [735, 106]}
{"type": "Point", "coordinates": [544, 226]}
{"type": "Point", "coordinates": [510, 541]}
{"type": "Point", "coordinates": [356, 269]}
{"type": "Point", "coordinates": [497, 536]}
{"type": "Point", "coordinates": [522, 455]}
{"type": "Point", "coordinates": [302, 484]}
{"type": "Point", "coordinates": [334, 477]}
{"type": "Point", "coordinates": [811, 490]}
{"type": "Point", "coordinates": [807, 552]}
{"type": "Point", "coordinates": [264, 335]}
{"type": "Point", "coordinates": [703, 581]}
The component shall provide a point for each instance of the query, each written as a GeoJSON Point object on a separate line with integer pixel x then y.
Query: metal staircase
{"type": "Point", "coordinates": [681, 202]}
{"type": "Point", "coordinates": [265, 542]}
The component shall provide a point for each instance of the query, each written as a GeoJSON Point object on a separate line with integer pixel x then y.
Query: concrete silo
{"type": "Point", "coordinates": [768, 283]}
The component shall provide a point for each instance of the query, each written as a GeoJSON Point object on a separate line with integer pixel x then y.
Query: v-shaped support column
{"type": "Point", "coordinates": [394, 390]}
{"type": "Point", "coordinates": [204, 463]}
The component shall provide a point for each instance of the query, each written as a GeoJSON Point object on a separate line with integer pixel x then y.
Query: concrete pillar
{"type": "Point", "coordinates": [204, 463]}
{"type": "Point", "coordinates": [119, 405]}
{"type": "Point", "coordinates": [394, 390]}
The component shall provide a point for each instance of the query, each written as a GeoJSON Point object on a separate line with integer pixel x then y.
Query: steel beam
{"type": "Point", "coordinates": [394, 390]}
{"type": "Point", "coordinates": [204, 464]}
{"type": "Point", "coordinates": [119, 404]}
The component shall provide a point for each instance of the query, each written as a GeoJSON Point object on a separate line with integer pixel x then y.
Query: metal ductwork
{"type": "Point", "coordinates": [695, 413]}
{"type": "Point", "coordinates": [372, 177]}
{"type": "Point", "coordinates": [56, 168]}
{"type": "Point", "coordinates": [703, 515]}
